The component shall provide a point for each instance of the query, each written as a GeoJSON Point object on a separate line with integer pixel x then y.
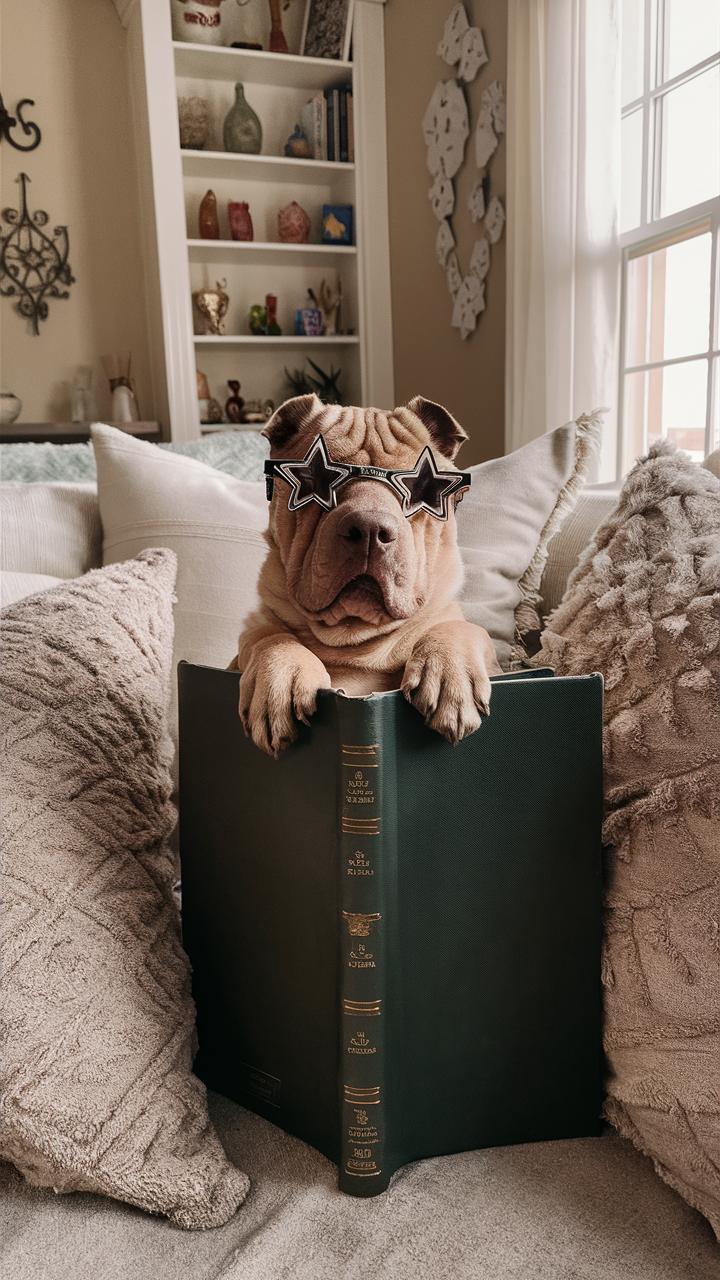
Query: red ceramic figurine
{"type": "Point", "coordinates": [241, 226]}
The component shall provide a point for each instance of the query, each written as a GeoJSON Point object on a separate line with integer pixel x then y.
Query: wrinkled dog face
{"type": "Point", "coordinates": [363, 568]}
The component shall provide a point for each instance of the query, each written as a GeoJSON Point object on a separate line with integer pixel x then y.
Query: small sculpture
{"type": "Point", "coordinates": [330, 298]}
{"type": "Point", "coordinates": [208, 221]}
{"type": "Point", "coordinates": [241, 224]}
{"type": "Point", "coordinates": [298, 144]}
{"type": "Point", "coordinates": [293, 224]}
{"type": "Point", "coordinates": [211, 308]}
{"type": "Point", "coordinates": [242, 131]}
{"type": "Point", "coordinates": [234, 403]}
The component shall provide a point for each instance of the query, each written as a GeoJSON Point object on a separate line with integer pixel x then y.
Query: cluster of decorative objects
{"type": "Point", "coordinates": [238, 410]}
{"type": "Point", "coordinates": [293, 222]}
{"type": "Point", "coordinates": [320, 317]}
{"type": "Point", "coordinates": [446, 129]}
{"type": "Point", "coordinates": [326, 30]}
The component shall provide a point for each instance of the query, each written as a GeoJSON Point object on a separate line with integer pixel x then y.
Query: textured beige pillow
{"type": "Point", "coordinates": [16, 586]}
{"type": "Point", "coordinates": [643, 607]}
{"type": "Point", "coordinates": [53, 529]}
{"type": "Point", "coordinates": [96, 1018]}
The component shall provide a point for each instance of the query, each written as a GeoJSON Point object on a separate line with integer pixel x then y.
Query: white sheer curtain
{"type": "Point", "coordinates": [563, 196]}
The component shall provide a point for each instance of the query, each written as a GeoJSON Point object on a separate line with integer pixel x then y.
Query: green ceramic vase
{"type": "Point", "coordinates": [242, 130]}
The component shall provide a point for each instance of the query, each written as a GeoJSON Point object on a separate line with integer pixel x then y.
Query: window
{"type": "Point", "coordinates": [670, 226]}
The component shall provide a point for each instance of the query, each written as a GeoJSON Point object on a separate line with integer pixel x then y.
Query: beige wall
{"type": "Point", "coordinates": [69, 55]}
{"type": "Point", "coordinates": [430, 358]}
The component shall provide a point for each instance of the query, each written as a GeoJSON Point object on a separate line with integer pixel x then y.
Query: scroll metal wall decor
{"type": "Point", "coordinates": [446, 128]}
{"type": "Point", "coordinates": [8, 123]}
{"type": "Point", "coordinates": [33, 264]}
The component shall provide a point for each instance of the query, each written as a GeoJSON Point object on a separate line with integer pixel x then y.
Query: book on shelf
{"type": "Point", "coordinates": [395, 943]}
{"type": "Point", "coordinates": [328, 122]}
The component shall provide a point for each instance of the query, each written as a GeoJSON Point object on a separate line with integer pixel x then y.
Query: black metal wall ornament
{"type": "Point", "coordinates": [33, 265]}
{"type": "Point", "coordinates": [29, 128]}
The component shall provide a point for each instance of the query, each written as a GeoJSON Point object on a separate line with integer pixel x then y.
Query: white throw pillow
{"type": "Point", "coordinates": [516, 504]}
{"type": "Point", "coordinates": [51, 529]}
{"type": "Point", "coordinates": [17, 586]}
{"type": "Point", "coordinates": [214, 524]}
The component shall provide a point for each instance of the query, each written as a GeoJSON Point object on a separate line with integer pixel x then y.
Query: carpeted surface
{"type": "Point", "coordinates": [580, 1210]}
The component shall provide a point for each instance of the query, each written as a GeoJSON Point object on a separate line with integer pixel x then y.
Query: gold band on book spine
{"type": "Point", "coordinates": [362, 933]}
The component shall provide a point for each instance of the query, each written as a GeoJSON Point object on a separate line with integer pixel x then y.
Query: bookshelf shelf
{"type": "Point", "coordinates": [251, 66]}
{"type": "Point", "coordinates": [264, 252]}
{"type": "Point", "coordinates": [173, 183]}
{"type": "Point", "coordinates": [229, 164]}
{"type": "Point", "coordinates": [284, 341]}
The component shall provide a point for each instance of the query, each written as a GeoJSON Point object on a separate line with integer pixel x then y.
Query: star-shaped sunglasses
{"type": "Point", "coordinates": [316, 478]}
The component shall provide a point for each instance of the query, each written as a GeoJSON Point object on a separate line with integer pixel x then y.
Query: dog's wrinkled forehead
{"type": "Point", "coordinates": [373, 437]}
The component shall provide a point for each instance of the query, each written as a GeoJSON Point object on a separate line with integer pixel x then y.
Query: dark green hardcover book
{"type": "Point", "coordinates": [395, 942]}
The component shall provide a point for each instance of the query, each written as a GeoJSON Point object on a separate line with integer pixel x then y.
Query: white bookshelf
{"type": "Point", "coordinates": [175, 180]}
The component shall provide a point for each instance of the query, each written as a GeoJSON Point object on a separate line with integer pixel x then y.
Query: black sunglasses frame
{"type": "Point", "coordinates": [458, 481]}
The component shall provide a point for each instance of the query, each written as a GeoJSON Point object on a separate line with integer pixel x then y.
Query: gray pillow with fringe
{"type": "Point", "coordinates": [515, 505]}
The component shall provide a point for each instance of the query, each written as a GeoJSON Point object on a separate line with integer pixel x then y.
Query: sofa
{"type": "Point", "coordinates": [590, 1209]}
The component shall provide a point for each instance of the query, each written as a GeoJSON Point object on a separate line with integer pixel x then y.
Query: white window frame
{"type": "Point", "coordinates": [655, 232]}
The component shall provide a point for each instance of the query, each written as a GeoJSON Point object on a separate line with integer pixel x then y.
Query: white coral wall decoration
{"type": "Point", "coordinates": [446, 129]}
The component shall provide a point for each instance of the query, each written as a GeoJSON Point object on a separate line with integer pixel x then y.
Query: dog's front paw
{"type": "Point", "coordinates": [279, 688]}
{"type": "Point", "coordinates": [447, 682]}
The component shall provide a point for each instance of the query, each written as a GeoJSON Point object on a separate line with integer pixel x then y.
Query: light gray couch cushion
{"type": "Point", "coordinates": [581, 1210]}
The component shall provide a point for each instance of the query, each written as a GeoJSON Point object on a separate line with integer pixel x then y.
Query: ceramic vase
{"type": "Point", "coordinates": [293, 224]}
{"type": "Point", "coordinates": [208, 222]}
{"type": "Point", "coordinates": [278, 43]}
{"type": "Point", "coordinates": [242, 130]}
{"type": "Point", "coordinates": [10, 406]}
{"type": "Point", "coordinates": [241, 227]}
{"type": "Point", "coordinates": [199, 21]}
{"type": "Point", "coordinates": [193, 120]}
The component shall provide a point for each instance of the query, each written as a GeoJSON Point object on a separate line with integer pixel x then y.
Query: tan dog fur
{"type": "Point", "coordinates": [400, 627]}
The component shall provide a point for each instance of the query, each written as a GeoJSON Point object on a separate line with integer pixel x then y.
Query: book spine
{"type": "Point", "coordinates": [343, 125]}
{"type": "Point", "coordinates": [318, 104]}
{"type": "Point", "coordinates": [364, 861]}
{"type": "Point", "coordinates": [336, 123]}
{"type": "Point", "coordinates": [351, 127]}
{"type": "Point", "coordinates": [330, 117]}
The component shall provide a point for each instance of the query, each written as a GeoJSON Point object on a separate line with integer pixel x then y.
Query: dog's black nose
{"type": "Point", "coordinates": [368, 527]}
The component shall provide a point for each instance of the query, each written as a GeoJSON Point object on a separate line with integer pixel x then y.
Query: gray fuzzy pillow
{"type": "Point", "coordinates": [643, 608]}
{"type": "Point", "coordinates": [96, 1018]}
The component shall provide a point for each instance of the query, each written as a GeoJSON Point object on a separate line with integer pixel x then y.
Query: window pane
{"type": "Point", "coordinates": [668, 302]}
{"type": "Point", "coordinates": [668, 403]}
{"type": "Point", "coordinates": [692, 33]}
{"type": "Point", "coordinates": [632, 39]}
{"type": "Point", "coordinates": [631, 184]}
{"type": "Point", "coordinates": [690, 169]}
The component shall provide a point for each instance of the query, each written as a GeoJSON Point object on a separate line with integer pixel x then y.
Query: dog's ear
{"type": "Point", "coordinates": [445, 431]}
{"type": "Point", "coordinates": [289, 418]}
